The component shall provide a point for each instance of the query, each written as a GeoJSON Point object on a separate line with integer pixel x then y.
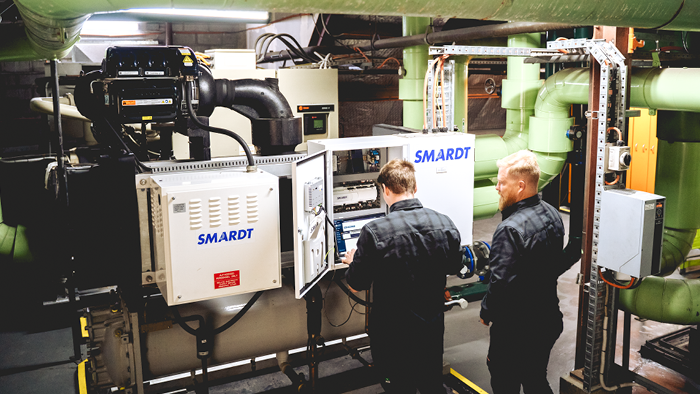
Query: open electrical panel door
{"type": "Point", "coordinates": [312, 253]}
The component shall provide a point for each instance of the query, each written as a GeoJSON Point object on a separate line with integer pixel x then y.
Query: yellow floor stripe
{"type": "Point", "coordinates": [467, 382]}
{"type": "Point", "coordinates": [82, 382]}
{"type": "Point", "coordinates": [83, 327]}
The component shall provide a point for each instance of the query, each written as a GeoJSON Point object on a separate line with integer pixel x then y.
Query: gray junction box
{"type": "Point", "coordinates": [631, 232]}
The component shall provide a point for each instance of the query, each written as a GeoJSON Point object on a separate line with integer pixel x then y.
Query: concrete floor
{"type": "Point", "coordinates": [34, 356]}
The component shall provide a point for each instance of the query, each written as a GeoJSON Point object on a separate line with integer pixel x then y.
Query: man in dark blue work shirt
{"type": "Point", "coordinates": [521, 302]}
{"type": "Point", "coordinates": [407, 255]}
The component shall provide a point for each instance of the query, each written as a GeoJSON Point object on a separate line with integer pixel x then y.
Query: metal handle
{"type": "Point", "coordinates": [635, 147]}
{"type": "Point", "coordinates": [652, 148]}
{"type": "Point", "coordinates": [644, 149]}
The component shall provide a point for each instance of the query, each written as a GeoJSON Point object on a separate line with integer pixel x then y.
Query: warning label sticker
{"type": "Point", "coordinates": [187, 59]}
{"type": "Point", "coordinates": [164, 101]}
{"type": "Point", "coordinates": [227, 279]}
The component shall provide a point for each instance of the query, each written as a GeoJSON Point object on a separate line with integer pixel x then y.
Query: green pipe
{"type": "Point", "coordinates": [485, 199]}
{"type": "Point", "coordinates": [415, 61]}
{"type": "Point", "coordinates": [519, 93]}
{"type": "Point", "coordinates": [59, 22]}
{"type": "Point", "coordinates": [677, 179]}
{"type": "Point", "coordinates": [674, 301]}
{"type": "Point", "coordinates": [676, 245]}
{"type": "Point", "coordinates": [674, 89]}
{"type": "Point", "coordinates": [489, 148]}
{"type": "Point", "coordinates": [665, 300]}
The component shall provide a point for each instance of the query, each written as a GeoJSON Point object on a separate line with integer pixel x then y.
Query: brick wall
{"type": "Point", "coordinates": [21, 129]}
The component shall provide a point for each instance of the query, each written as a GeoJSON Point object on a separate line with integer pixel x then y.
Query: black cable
{"type": "Point", "coordinates": [182, 322]}
{"type": "Point", "coordinates": [239, 315]}
{"type": "Point", "coordinates": [193, 115]}
{"type": "Point", "coordinates": [142, 167]}
{"type": "Point", "coordinates": [347, 291]}
{"type": "Point", "coordinates": [297, 48]}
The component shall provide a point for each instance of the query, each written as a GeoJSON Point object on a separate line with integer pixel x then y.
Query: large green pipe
{"type": "Point", "coordinates": [673, 300]}
{"type": "Point", "coordinates": [53, 33]}
{"type": "Point", "coordinates": [415, 61]}
{"type": "Point", "coordinates": [518, 97]}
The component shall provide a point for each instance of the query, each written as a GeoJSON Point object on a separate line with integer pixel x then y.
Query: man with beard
{"type": "Point", "coordinates": [406, 256]}
{"type": "Point", "coordinates": [521, 302]}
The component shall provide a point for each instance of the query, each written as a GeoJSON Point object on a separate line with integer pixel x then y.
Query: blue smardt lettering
{"type": "Point", "coordinates": [423, 156]}
{"type": "Point", "coordinates": [233, 235]}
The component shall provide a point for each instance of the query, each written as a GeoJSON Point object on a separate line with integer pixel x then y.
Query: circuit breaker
{"type": "Point", "coordinates": [631, 230]}
{"type": "Point", "coordinates": [216, 234]}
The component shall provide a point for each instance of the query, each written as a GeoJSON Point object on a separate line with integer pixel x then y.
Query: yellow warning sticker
{"type": "Point", "coordinates": [187, 59]}
{"type": "Point", "coordinates": [146, 118]}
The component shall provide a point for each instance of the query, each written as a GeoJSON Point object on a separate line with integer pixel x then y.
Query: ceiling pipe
{"type": "Point", "coordinates": [53, 26]}
{"type": "Point", "coordinates": [448, 36]}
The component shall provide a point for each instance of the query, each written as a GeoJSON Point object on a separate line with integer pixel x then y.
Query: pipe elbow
{"type": "Point", "coordinates": [51, 37]}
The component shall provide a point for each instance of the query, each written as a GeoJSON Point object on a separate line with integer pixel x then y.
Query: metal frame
{"type": "Point", "coordinates": [613, 77]}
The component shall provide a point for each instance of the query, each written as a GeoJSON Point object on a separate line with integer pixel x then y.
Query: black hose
{"type": "Point", "coordinates": [182, 321]}
{"type": "Point", "coordinates": [239, 315]}
{"type": "Point", "coordinates": [347, 291]}
{"type": "Point", "coordinates": [193, 115]}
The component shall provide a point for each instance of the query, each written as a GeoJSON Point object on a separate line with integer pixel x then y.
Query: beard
{"type": "Point", "coordinates": [505, 201]}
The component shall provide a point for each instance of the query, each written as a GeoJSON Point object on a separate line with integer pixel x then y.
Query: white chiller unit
{"type": "Point", "coordinates": [216, 233]}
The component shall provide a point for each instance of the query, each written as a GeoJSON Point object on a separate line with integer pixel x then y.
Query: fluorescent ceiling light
{"type": "Point", "coordinates": [253, 16]}
{"type": "Point", "coordinates": [108, 28]}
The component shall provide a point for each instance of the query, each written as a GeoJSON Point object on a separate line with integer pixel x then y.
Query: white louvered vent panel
{"type": "Point", "coordinates": [234, 211]}
{"type": "Point", "coordinates": [252, 208]}
{"type": "Point", "coordinates": [157, 214]}
{"type": "Point", "coordinates": [214, 212]}
{"type": "Point", "coordinates": [195, 214]}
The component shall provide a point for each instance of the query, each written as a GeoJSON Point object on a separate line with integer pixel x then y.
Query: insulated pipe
{"type": "Point", "coordinates": [675, 301]}
{"type": "Point", "coordinates": [53, 26]}
{"type": "Point", "coordinates": [415, 62]}
{"type": "Point", "coordinates": [518, 98]}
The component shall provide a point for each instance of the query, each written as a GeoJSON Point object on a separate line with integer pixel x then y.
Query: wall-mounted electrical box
{"type": "Point", "coordinates": [630, 235]}
{"type": "Point", "coordinates": [215, 234]}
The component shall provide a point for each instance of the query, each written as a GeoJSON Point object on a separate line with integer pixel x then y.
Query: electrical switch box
{"type": "Point", "coordinates": [215, 234]}
{"type": "Point", "coordinates": [619, 158]}
{"type": "Point", "coordinates": [630, 234]}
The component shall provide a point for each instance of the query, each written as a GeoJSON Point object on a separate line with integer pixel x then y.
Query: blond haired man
{"type": "Point", "coordinates": [406, 257]}
{"type": "Point", "coordinates": [521, 302]}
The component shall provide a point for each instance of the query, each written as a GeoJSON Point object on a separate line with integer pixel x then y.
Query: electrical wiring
{"type": "Point", "coordinates": [390, 58]}
{"type": "Point", "coordinates": [266, 39]}
{"type": "Point", "coordinates": [425, 92]}
{"type": "Point", "coordinates": [619, 133]}
{"type": "Point", "coordinates": [442, 92]}
{"type": "Point", "coordinates": [613, 182]}
{"type": "Point", "coordinates": [564, 51]}
{"type": "Point", "coordinates": [616, 285]}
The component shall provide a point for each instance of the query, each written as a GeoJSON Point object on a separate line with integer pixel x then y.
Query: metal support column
{"type": "Point", "coordinates": [63, 203]}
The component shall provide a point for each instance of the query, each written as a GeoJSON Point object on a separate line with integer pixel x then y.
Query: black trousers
{"type": "Point", "coordinates": [519, 354]}
{"type": "Point", "coordinates": [408, 352]}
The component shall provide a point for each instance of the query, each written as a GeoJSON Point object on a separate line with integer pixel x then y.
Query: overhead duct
{"type": "Point", "coordinates": [53, 26]}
